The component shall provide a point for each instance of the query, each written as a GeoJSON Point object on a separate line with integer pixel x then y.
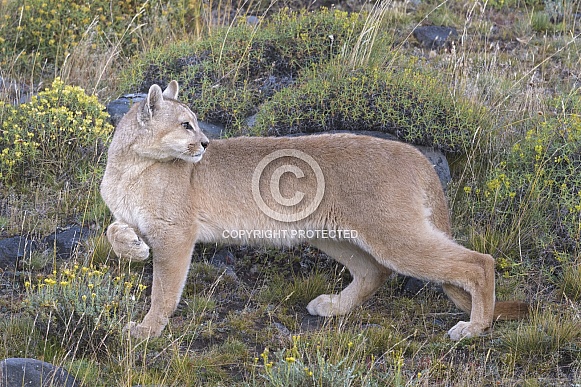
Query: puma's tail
{"type": "Point", "coordinates": [503, 310]}
{"type": "Point", "coordinates": [511, 310]}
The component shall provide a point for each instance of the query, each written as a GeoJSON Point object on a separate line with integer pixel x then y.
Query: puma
{"type": "Point", "coordinates": [376, 206]}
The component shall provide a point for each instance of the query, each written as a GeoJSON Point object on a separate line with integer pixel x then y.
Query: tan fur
{"type": "Point", "coordinates": [167, 191]}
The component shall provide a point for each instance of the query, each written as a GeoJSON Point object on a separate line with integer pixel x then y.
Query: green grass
{"type": "Point", "coordinates": [503, 99]}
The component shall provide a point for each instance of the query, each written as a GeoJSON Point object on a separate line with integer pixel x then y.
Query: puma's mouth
{"type": "Point", "coordinates": [193, 153]}
{"type": "Point", "coordinates": [194, 157]}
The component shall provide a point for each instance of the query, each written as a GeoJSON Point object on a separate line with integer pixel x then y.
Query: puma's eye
{"type": "Point", "coordinates": [187, 125]}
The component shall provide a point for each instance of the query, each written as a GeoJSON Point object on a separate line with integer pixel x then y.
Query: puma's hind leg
{"type": "Point", "coordinates": [126, 243]}
{"type": "Point", "coordinates": [367, 275]}
{"type": "Point", "coordinates": [431, 255]}
{"type": "Point", "coordinates": [460, 297]}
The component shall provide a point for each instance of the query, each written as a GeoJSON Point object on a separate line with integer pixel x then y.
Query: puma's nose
{"type": "Point", "coordinates": [204, 144]}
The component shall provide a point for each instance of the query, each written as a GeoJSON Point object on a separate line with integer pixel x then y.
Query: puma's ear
{"type": "Point", "coordinates": [171, 90]}
{"type": "Point", "coordinates": [151, 104]}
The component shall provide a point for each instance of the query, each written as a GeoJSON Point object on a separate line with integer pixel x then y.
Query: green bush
{"type": "Point", "coordinates": [83, 308]}
{"type": "Point", "coordinates": [37, 33]}
{"type": "Point", "coordinates": [530, 202]}
{"type": "Point", "coordinates": [412, 106]}
{"type": "Point", "coordinates": [56, 138]}
{"type": "Point", "coordinates": [226, 76]}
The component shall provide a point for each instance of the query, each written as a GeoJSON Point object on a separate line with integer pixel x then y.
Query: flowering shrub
{"type": "Point", "coordinates": [49, 29]}
{"type": "Point", "coordinates": [531, 199]}
{"type": "Point", "coordinates": [82, 306]}
{"type": "Point", "coordinates": [297, 367]}
{"type": "Point", "coordinates": [58, 136]}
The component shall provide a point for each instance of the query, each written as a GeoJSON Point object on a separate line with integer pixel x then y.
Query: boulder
{"type": "Point", "coordinates": [14, 249]}
{"type": "Point", "coordinates": [17, 372]}
{"type": "Point", "coordinates": [66, 241]}
{"type": "Point", "coordinates": [211, 131]}
{"type": "Point", "coordinates": [120, 106]}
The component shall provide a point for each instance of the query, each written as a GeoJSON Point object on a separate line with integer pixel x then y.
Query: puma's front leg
{"type": "Point", "coordinates": [126, 243]}
{"type": "Point", "coordinates": [171, 262]}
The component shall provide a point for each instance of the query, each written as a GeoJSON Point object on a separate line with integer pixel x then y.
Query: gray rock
{"type": "Point", "coordinates": [225, 260]}
{"type": "Point", "coordinates": [14, 249]}
{"type": "Point", "coordinates": [282, 330]}
{"type": "Point", "coordinates": [120, 106]}
{"type": "Point", "coordinates": [252, 20]}
{"type": "Point", "coordinates": [17, 372]}
{"type": "Point", "coordinates": [435, 37]}
{"type": "Point", "coordinates": [413, 285]}
{"type": "Point", "coordinates": [250, 121]}
{"type": "Point", "coordinates": [440, 163]}
{"type": "Point", "coordinates": [66, 241]}
{"type": "Point", "coordinates": [211, 130]}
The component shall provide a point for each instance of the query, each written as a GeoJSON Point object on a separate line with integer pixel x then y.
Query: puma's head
{"type": "Point", "coordinates": [168, 129]}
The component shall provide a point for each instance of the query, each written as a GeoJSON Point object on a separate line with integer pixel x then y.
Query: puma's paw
{"type": "Point", "coordinates": [326, 305]}
{"type": "Point", "coordinates": [140, 331]}
{"type": "Point", "coordinates": [139, 250]}
{"type": "Point", "coordinates": [135, 250]}
{"type": "Point", "coordinates": [464, 330]}
{"type": "Point", "coordinates": [126, 243]}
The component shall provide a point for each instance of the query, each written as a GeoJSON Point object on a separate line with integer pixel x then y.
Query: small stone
{"type": "Point", "coordinates": [435, 37]}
